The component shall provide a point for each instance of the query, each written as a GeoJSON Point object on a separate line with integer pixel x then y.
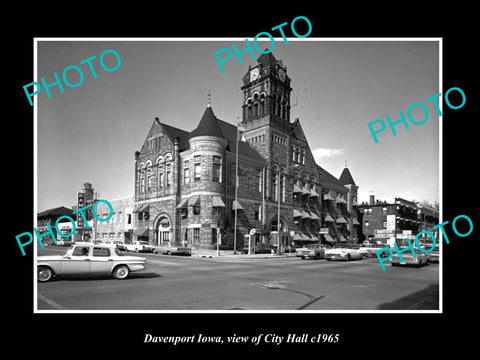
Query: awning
{"type": "Point", "coordinates": [329, 218]}
{"type": "Point", "coordinates": [297, 237]}
{"type": "Point", "coordinates": [296, 189]}
{"type": "Point", "coordinates": [355, 222]}
{"type": "Point", "coordinates": [341, 220]}
{"type": "Point", "coordinates": [329, 238]}
{"type": "Point", "coordinates": [142, 208]}
{"type": "Point", "coordinates": [340, 200]}
{"type": "Point", "coordinates": [313, 193]}
{"type": "Point", "coordinates": [342, 238]}
{"type": "Point", "coordinates": [314, 216]}
{"type": "Point", "coordinates": [141, 231]}
{"type": "Point", "coordinates": [296, 213]}
{"type": "Point", "coordinates": [306, 237]}
{"type": "Point", "coordinates": [183, 204]}
{"type": "Point", "coordinates": [217, 201]}
{"type": "Point", "coordinates": [328, 197]}
{"type": "Point", "coordinates": [194, 200]}
{"type": "Point", "coordinates": [305, 191]}
{"type": "Point", "coordinates": [305, 215]}
{"type": "Point", "coordinates": [314, 238]}
{"type": "Point", "coordinates": [236, 205]}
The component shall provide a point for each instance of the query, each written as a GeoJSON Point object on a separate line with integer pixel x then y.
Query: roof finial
{"type": "Point", "coordinates": [346, 163]}
{"type": "Point", "coordinates": [209, 95]}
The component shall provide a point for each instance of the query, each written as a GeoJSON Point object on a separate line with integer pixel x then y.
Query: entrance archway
{"type": "Point", "coordinates": [163, 229]}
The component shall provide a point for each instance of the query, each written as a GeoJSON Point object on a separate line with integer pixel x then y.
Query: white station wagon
{"type": "Point", "coordinates": [85, 260]}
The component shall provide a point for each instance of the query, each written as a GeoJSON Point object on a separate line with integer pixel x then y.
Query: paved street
{"type": "Point", "coordinates": [284, 283]}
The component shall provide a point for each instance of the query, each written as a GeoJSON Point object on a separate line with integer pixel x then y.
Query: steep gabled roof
{"type": "Point", "coordinates": [174, 132]}
{"type": "Point", "coordinates": [296, 130]}
{"type": "Point", "coordinates": [58, 211]}
{"type": "Point", "coordinates": [267, 59]}
{"type": "Point", "coordinates": [346, 178]}
{"type": "Point", "coordinates": [208, 125]}
{"type": "Point", "coordinates": [329, 181]}
{"type": "Point", "coordinates": [244, 149]}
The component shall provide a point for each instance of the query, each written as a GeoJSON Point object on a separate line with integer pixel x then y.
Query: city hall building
{"type": "Point", "coordinates": [187, 191]}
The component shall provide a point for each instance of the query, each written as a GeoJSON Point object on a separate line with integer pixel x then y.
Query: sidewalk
{"type": "Point", "coordinates": [228, 254]}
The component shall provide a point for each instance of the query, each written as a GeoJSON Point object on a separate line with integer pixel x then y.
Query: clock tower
{"type": "Point", "coordinates": [266, 95]}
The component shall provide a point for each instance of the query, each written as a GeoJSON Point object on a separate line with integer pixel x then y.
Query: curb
{"type": "Point", "coordinates": [241, 257]}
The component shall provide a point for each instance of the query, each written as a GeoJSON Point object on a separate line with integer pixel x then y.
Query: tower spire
{"type": "Point", "coordinates": [209, 96]}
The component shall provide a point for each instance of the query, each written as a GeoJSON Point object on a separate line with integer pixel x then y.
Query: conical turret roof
{"type": "Point", "coordinates": [346, 178]}
{"type": "Point", "coordinates": [208, 125]}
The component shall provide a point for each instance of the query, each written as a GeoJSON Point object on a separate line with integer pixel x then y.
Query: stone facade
{"type": "Point", "coordinates": [185, 183]}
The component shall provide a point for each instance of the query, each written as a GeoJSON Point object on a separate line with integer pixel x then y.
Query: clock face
{"type": "Point", "coordinates": [281, 74]}
{"type": "Point", "coordinates": [254, 74]}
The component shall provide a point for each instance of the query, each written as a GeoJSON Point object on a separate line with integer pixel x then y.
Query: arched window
{"type": "Point", "coordinates": [249, 107]}
{"type": "Point", "coordinates": [141, 178]}
{"type": "Point", "coordinates": [149, 175]}
{"type": "Point", "coordinates": [168, 170]}
{"type": "Point", "coordinates": [262, 103]}
{"type": "Point", "coordinates": [305, 181]}
{"type": "Point", "coordinates": [274, 183]}
{"type": "Point", "coordinates": [255, 104]}
{"type": "Point", "coordinates": [160, 173]}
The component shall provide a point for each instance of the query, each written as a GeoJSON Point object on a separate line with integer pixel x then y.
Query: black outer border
{"type": "Point", "coordinates": [360, 333]}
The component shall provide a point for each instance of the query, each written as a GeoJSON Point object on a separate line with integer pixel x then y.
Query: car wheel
{"type": "Point", "coordinates": [317, 257]}
{"type": "Point", "coordinates": [348, 257]}
{"type": "Point", "coordinates": [168, 253]}
{"type": "Point", "coordinates": [136, 250]}
{"type": "Point", "coordinates": [44, 274]}
{"type": "Point", "coordinates": [302, 257]}
{"type": "Point", "coordinates": [121, 272]}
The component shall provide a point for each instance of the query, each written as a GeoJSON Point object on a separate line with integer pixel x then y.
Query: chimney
{"type": "Point", "coordinates": [372, 199]}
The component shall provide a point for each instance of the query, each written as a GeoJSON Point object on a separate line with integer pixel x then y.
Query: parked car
{"type": "Point", "coordinates": [408, 258]}
{"type": "Point", "coordinates": [169, 249]}
{"type": "Point", "coordinates": [344, 252]}
{"type": "Point", "coordinates": [64, 242]}
{"type": "Point", "coordinates": [85, 260]}
{"type": "Point", "coordinates": [138, 246]}
{"type": "Point", "coordinates": [373, 248]}
{"type": "Point", "coordinates": [312, 251]}
{"type": "Point", "coordinates": [119, 244]}
{"type": "Point", "coordinates": [434, 255]}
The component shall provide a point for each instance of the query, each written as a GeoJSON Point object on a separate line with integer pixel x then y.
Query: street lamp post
{"type": "Point", "coordinates": [278, 203]}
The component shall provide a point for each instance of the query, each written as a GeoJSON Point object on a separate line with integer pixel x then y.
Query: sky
{"type": "Point", "coordinates": [90, 133]}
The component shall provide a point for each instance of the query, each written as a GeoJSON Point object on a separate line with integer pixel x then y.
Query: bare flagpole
{"type": "Point", "coordinates": [236, 193]}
